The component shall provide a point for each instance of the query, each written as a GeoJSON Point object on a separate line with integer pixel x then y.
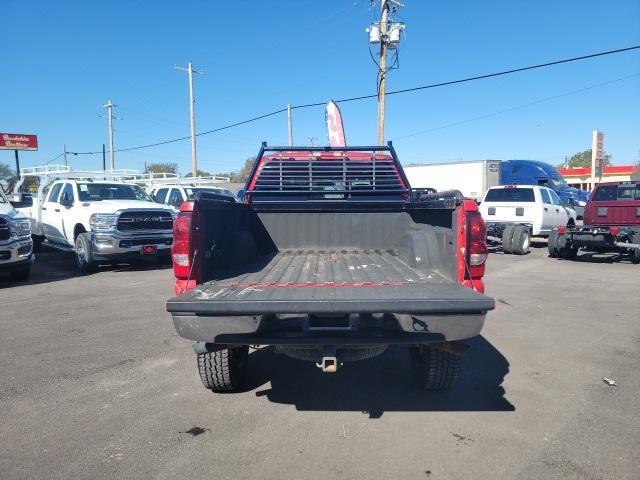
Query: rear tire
{"type": "Point", "coordinates": [435, 369]}
{"type": "Point", "coordinates": [224, 370]}
{"type": "Point", "coordinates": [635, 253]}
{"type": "Point", "coordinates": [521, 242]}
{"type": "Point", "coordinates": [84, 257]}
{"type": "Point", "coordinates": [507, 237]}
{"type": "Point", "coordinates": [552, 244]}
{"type": "Point", "coordinates": [568, 252]}
{"type": "Point", "coordinates": [20, 275]}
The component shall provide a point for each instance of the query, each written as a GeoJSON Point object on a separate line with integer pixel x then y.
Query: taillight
{"type": "Point", "coordinates": [615, 231]}
{"type": "Point", "coordinates": [472, 248]}
{"type": "Point", "coordinates": [477, 248]}
{"type": "Point", "coordinates": [562, 230]}
{"type": "Point", "coordinates": [180, 248]}
{"type": "Point", "coordinates": [183, 249]}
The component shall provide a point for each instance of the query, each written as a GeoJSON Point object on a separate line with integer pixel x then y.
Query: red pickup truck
{"type": "Point", "coordinates": [611, 224]}
{"type": "Point", "coordinates": [329, 259]}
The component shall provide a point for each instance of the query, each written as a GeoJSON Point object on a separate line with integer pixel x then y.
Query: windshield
{"type": "Point", "coordinates": [617, 192]}
{"type": "Point", "coordinates": [510, 195]}
{"type": "Point", "coordinates": [558, 183]}
{"type": "Point", "coordinates": [220, 191]}
{"type": "Point", "coordinates": [92, 192]}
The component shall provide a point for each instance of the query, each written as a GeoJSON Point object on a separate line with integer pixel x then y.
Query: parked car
{"type": "Point", "coordinates": [100, 220]}
{"type": "Point", "coordinates": [174, 194]}
{"type": "Point", "coordinates": [473, 178]}
{"type": "Point", "coordinates": [16, 248]}
{"type": "Point", "coordinates": [328, 274]}
{"type": "Point", "coordinates": [515, 213]}
{"type": "Point", "coordinates": [611, 224]}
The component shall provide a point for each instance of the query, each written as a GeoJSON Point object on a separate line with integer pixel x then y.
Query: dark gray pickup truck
{"type": "Point", "coordinates": [329, 259]}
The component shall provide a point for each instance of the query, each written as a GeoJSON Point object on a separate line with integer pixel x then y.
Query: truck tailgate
{"type": "Point", "coordinates": [320, 282]}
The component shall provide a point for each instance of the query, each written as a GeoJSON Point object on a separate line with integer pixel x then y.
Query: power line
{"type": "Point", "coordinates": [480, 77]}
{"type": "Point", "coordinates": [516, 107]}
{"type": "Point", "coordinates": [394, 92]}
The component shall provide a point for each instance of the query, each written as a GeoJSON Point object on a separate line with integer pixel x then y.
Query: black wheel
{"type": "Point", "coordinates": [20, 275]}
{"type": "Point", "coordinates": [507, 237]}
{"type": "Point", "coordinates": [521, 241]}
{"type": "Point", "coordinates": [224, 370]}
{"type": "Point", "coordinates": [552, 244]}
{"type": "Point", "coordinates": [565, 249]}
{"type": "Point", "coordinates": [37, 242]}
{"type": "Point", "coordinates": [84, 257]}
{"type": "Point", "coordinates": [435, 369]}
{"type": "Point", "coordinates": [635, 253]}
{"type": "Point", "coordinates": [571, 252]}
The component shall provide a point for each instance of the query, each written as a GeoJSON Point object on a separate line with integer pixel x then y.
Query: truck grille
{"type": "Point", "coordinates": [5, 231]}
{"type": "Point", "coordinates": [154, 220]}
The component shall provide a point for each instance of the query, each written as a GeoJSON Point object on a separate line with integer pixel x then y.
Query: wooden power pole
{"type": "Point", "coordinates": [382, 73]}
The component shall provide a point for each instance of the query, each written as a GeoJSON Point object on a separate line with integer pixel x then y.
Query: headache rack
{"type": "Point", "coordinates": [327, 174]}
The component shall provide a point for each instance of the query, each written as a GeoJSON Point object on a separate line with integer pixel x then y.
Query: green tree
{"type": "Point", "coordinates": [635, 174]}
{"type": "Point", "coordinates": [7, 176]}
{"type": "Point", "coordinates": [167, 167]}
{"type": "Point", "coordinates": [200, 173]}
{"type": "Point", "coordinates": [583, 159]}
{"type": "Point", "coordinates": [246, 169]}
{"type": "Point", "coordinates": [242, 175]}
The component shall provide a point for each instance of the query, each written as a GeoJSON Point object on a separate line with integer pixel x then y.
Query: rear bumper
{"type": "Point", "coordinates": [297, 329]}
{"type": "Point", "coordinates": [109, 246]}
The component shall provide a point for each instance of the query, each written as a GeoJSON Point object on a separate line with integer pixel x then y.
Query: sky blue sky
{"type": "Point", "coordinates": [63, 60]}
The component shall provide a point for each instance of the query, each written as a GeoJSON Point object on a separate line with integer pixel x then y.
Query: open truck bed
{"type": "Point", "coordinates": [330, 281]}
{"type": "Point", "coordinates": [328, 260]}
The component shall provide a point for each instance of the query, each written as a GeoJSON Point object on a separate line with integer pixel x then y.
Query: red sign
{"type": "Point", "coordinates": [18, 141]}
{"type": "Point", "coordinates": [335, 128]}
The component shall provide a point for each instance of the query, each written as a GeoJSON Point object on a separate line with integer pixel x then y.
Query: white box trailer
{"type": "Point", "coordinates": [472, 178]}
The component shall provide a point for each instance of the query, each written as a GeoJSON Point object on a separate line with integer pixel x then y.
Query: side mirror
{"type": "Point", "coordinates": [21, 200]}
{"type": "Point", "coordinates": [65, 201]}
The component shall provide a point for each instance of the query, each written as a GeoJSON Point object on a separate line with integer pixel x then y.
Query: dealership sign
{"type": "Point", "coordinates": [18, 141]}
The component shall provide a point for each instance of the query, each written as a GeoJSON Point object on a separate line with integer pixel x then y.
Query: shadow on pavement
{"type": "Point", "coordinates": [599, 257]}
{"type": "Point", "coordinates": [381, 384]}
{"type": "Point", "coordinates": [54, 266]}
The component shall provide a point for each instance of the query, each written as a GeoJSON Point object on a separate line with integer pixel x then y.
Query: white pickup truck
{"type": "Point", "coordinates": [101, 219]}
{"type": "Point", "coordinates": [16, 249]}
{"type": "Point", "coordinates": [174, 194]}
{"type": "Point", "coordinates": [515, 213]}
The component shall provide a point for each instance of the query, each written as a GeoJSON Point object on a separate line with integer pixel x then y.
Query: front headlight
{"type": "Point", "coordinates": [582, 203]}
{"type": "Point", "coordinates": [20, 228]}
{"type": "Point", "coordinates": [103, 221]}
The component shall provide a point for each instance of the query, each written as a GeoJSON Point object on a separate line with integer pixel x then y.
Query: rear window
{"type": "Point", "coordinates": [510, 195]}
{"type": "Point", "coordinates": [617, 192]}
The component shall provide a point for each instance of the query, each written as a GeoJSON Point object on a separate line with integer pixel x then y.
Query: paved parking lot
{"type": "Point", "coordinates": [96, 384]}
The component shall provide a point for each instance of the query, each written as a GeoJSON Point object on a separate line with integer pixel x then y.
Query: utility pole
{"type": "Point", "coordinates": [289, 125]}
{"type": "Point", "coordinates": [384, 15]}
{"type": "Point", "coordinates": [109, 106]}
{"type": "Point", "coordinates": [64, 151]}
{"type": "Point", "coordinates": [192, 113]}
{"type": "Point", "coordinates": [387, 33]}
{"type": "Point", "coordinates": [104, 158]}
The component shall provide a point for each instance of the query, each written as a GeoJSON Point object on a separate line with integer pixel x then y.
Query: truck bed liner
{"type": "Point", "coordinates": [330, 281]}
